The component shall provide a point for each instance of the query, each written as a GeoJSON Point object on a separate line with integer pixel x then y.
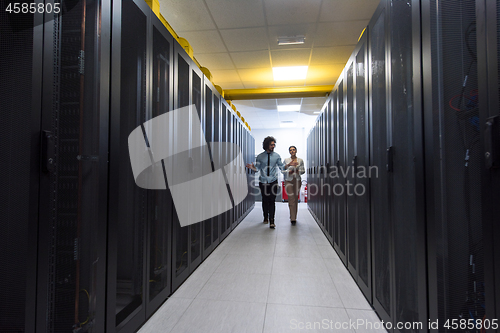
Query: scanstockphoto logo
{"type": "Point", "coordinates": [170, 151]}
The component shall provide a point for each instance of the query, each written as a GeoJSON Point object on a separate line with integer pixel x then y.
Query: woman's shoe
{"type": "Point", "coordinates": [293, 222]}
{"type": "Point", "coordinates": [266, 221]}
{"type": "Point", "coordinates": [272, 226]}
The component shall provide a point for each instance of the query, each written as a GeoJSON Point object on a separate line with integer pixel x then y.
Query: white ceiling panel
{"type": "Point", "coordinates": [310, 108]}
{"type": "Point", "coordinates": [256, 84]}
{"type": "Point", "coordinates": [186, 15]}
{"type": "Point", "coordinates": [339, 33]}
{"type": "Point", "coordinates": [253, 59]}
{"type": "Point", "coordinates": [214, 61]}
{"type": "Point", "coordinates": [256, 75]}
{"type": "Point", "coordinates": [284, 12]}
{"type": "Point", "coordinates": [289, 101]}
{"type": "Point", "coordinates": [313, 101]}
{"type": "Point", "coordinates": [290, 83]}
{"type": "Point", "coordinates": [324, 74]}
{"type": "Point", "coordinates": [229, 14]}
{"type": "Point", "coordinates": [207, 41]}
{"type": "Point", "coordinates": [225, 75]}
{"type": "Point", "coordinates": [339, 10]}
{"type": "Point", "coordinates": [246, 39]}
{"type": "Point", "coordinates": [290, 57]}
{"type": "Point", "coordinates": [230, 85]}
{"type": "Point", "coordinates": [268, 104]}
{"type": "Point", "coordinates": [329, 55]}
{"type": "Point", "coordinates": [246, 104]}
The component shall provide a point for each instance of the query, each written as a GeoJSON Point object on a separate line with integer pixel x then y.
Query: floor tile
{"type": "Point", "coordinates": [299, 266]}
{"type": "Point", "coordinates": [367, 321]}
{"type": "Point", "coordinates": [211, 316]}
{"type": "Point", "coordinates": [236, 287]}
{"type": "Point", "coordinates": [303, 290]}
{"type": "Point", "coordinates": [246, 264]}
{"type": "Point", "coordinates": [167, 316]}
{"type": "Point", "coordinates": [292, 318]}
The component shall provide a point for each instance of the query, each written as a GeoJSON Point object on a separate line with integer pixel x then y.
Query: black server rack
{"type": "Point", "coordinates": [379, 159]}
{"type": "Point", "coordinates": [21, 66]}
{"type": "Point", "coordinates": [224, 229]}
{"type": "Point", "coordinates": [159, 261]}
{"type": "Point", "coordinates": [130, 206]}
{"type": "Point", "coordinates": [350, 153]}
{"type": "Point", "coordinates": [84, 249]}
{"type": "Point", "coordinates": [360, 163]}
{"type": "Point", "coordinates": [328, 162]}
{"type": "Point", "coordinates": [210, 124]}
{"type": "Point", "coordinates": [456, 159]}
{"type": "Point", "coordinates": [333, 165]}
{"type": "Point", "coordinates": [407, 109]}
{"type": "Point", "coordinates": [340, 165]}
{"type": "Point", "coordinates": [72, 170]}
{"type": "Point", "coordinates": [488, 58]}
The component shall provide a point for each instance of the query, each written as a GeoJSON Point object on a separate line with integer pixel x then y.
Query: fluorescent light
{"type": "Point", "coordinates": [289, 73]}
{"type": "Point", "coordinates": [287, 124]}
{"type": "Point", "coordinates": [317, 112]}
{"type": "Point", "coordinates": [288, 108]}
{"type": "Point", "coordinates": [291, 40]}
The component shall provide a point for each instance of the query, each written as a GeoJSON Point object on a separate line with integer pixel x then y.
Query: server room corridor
{"type": "Point", "coordinates": [262, 280]}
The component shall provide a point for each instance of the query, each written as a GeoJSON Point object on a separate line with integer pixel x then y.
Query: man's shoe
{"type": "Point", "coordinates": [272, 226]}
{"type": "Point", "coordinates": [266, 221]}
{"type": "Point", "coordinates": [293, 222]}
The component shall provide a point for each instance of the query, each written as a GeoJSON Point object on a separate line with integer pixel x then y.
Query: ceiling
{"type": "Point", "coordinates": [237, 41]}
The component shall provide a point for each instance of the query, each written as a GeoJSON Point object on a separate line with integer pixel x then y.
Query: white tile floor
{"type": "Point", "coordinates": [262, 280]}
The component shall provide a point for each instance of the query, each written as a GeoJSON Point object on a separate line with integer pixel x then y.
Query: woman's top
{"type": "Point", "coordinates": [300, 168]}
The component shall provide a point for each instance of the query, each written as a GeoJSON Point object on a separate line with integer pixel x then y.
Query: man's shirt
{"type": "Point", "coordinates": [268, 165]}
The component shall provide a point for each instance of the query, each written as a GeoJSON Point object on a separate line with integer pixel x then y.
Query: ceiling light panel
{"type": "Point", "coordinates": [289, 73]}
{"type": "Point", "coordinates": [288, 108]}
{"type": "Point", "coordinates": [306, 30]}
{"type": "Point", "coordinates": [291, 40]}
{"type": "Point", "coordinates": [287, 124]}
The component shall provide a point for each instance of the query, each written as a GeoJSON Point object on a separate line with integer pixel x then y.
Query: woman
{"type": "Point", "coordinates": [293, 181]}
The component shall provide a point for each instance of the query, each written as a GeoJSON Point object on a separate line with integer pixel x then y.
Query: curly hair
{"type": "Point", "coordinates": [267, 141]}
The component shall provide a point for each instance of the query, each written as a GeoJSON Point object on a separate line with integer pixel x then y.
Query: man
{"type": "Point", "coordinates": [268, 163]}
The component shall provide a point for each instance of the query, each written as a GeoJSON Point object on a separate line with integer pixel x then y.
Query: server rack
{"type": "Point", "coordinates": [340, 164]}
{"type": "Point", "coordinates": [21, 66]}
{"type": "Point", "coordinates": [350, 153]}
{"type": "Point", "coordinates": [129, 207]}
{"type": "Point", "coordinates": [488, 57]}
{"type": "Point", "coordinates": [93, 251]}
{"type": "Point", "coordinates": [427, 221]}
{"type": "Point", "coordinates": [159, 261]}
{"type": "Point", "coordinates": [225, 228]}
{"type": "Point", "coordinates": [71, 171]}
{"type": "Point", "coordinates": [333, 162]}
{"type": "Point", "coordinates": [454, 177]}
{"type": "Point", "coordinates": [210, 123]}
{"type": "Point", "coordinates": [361, 161]}
{"type": "Point", "coordinates": [329, 181]}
